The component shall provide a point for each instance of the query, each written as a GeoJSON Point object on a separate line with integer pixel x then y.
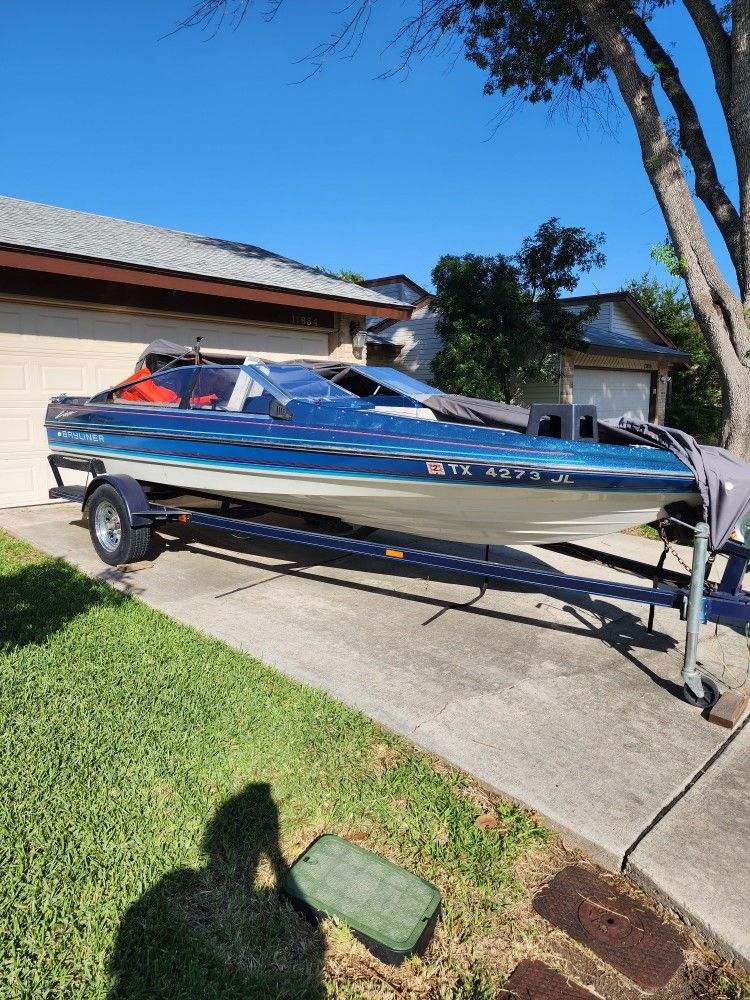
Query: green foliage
{"type": "Point", "coordinates": [500, 319]}
{"type": "Point", "coordinates": [553, 258]}
{"type": "Point", "coordinates": [666, 255]}
{"type": "Point", "coordinates": [695, 402]}
{"type": "Point", "coordinates": [353, 276]}
{"type": "Point", "coordinates": [531, 47]}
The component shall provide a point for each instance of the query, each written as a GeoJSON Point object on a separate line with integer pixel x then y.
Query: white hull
{"type": "Point", "coordinates": [496, 515]}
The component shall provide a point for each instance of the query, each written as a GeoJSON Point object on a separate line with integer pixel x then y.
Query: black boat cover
{"type": "Point", "coordinates": [723, 480]}
{"type": "Point", "coordinates": [166, 349]}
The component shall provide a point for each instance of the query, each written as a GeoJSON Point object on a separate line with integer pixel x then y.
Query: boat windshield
{"type": "Point", "coordinates": [298, 382]}
{"type": "Point", "coordinates": [398, 382]}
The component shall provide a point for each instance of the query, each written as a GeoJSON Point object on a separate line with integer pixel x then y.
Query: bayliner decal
{"type": "Point", "coordinates": [80, 436]}
{"type": "Point", "coordinates": [458, 470]}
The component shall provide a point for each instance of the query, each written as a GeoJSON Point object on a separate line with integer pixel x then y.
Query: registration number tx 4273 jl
{"type": "Point", "coordinates": [459, 471]}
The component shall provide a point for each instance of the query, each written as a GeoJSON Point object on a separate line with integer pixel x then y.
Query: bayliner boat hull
{"type": "Point", "coordinates": [505, 515]}
{"type": "Point", "coordinates": [429, 478]}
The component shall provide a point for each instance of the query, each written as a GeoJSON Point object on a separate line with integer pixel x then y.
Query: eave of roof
{"type": "Point", "coordinates": [394, 278]}
{"type": "Point", "coordinates": [149, 277]}
{"type": "Point", "coordinates": [610, 344]}
{"type": "Point", "coordinates": [630, 300]}
{"type": "Point", "coordinates": [61, 241]}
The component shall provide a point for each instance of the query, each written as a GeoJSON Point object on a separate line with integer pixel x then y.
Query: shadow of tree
{"type": "Point", "coordinates": [39, 598]}
{"type": "Point", "coordinates": [245, 260]}
{"type": "Point", "coordinates": [212, 933]}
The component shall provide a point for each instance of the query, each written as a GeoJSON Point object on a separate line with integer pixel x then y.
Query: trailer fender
{"type": "Point", "coordinates": [130, 491]}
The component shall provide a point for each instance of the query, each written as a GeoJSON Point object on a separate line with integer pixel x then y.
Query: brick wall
{"type": "Point", "coordinates": [340, 341]}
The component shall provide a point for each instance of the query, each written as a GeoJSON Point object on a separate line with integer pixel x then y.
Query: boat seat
{"type": "Point", "coordinates": [567, 421]}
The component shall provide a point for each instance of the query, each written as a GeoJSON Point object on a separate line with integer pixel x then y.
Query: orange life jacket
{"type": "Point", "coordinates": [146, 392]}
{"type": "Point", "coordinates": [149, 392]}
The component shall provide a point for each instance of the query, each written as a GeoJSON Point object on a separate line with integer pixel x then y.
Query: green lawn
{"type": "Point", "coordinates": [155, 781]}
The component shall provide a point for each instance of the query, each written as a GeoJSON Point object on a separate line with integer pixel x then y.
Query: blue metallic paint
{"type": "Point", "coordinates": [331, 439]}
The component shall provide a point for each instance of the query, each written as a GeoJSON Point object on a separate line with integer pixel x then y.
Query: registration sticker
{"type": "Point", "coordinates": [436, 468]}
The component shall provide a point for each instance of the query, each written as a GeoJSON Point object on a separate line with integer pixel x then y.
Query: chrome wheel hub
{"type": "Point", "coordinates": [107, 527]}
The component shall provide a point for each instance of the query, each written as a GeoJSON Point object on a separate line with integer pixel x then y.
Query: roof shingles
{"type": "Point", "coordinates": [29, 225]}
{"type": "Point", "coordinates": [610, 339]}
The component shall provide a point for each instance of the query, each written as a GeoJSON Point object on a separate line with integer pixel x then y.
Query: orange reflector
{"type": "Point", "coordinates": [394, 553]}
{"type": "Point", "coordinates": [183, 517]}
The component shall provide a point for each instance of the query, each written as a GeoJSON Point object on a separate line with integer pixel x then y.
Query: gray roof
{"type": "Point", "coordinates": [597, 337]}
{"type": "Point", "coordinates": [63, 231]}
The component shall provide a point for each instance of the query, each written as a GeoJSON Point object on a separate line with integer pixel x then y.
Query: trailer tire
{"type": "Point", "coordinates": [113, 537]}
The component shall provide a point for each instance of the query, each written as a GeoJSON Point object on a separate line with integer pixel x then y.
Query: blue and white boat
{"type": "Point", "coordinates": [284, 435]}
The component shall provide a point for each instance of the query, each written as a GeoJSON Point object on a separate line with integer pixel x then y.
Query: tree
{"type": "Point", "coordinates": [561, 53]}
{"type": "Point", "coordinates": [500, 319]}
{"type": "Point", "coordinates": [695, 401]}
{"type": "Point", "coordinates": [353, 276]}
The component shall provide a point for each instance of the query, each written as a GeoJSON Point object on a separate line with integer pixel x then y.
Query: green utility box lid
{"type": "Point", "coordinates": [390, 910]}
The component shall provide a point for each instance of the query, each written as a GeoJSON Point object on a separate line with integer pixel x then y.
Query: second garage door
{"type": "Point", "coordinates": [47, 350]}
{"type": "Point", "coordinates": [616, 393]}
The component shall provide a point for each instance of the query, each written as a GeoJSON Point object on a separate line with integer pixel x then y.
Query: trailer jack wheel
{"type": "Point", "coordinates": [710, 694]}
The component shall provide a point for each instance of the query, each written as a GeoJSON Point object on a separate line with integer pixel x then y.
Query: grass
{"type": "Point", "coordinates": [649, 531]}
{"type": "Point", "coordinates": [645, 531]}
{"type": "Point", "coordinates": [155, 783]}
{"type": "Point", "coordinates": [728, 988]}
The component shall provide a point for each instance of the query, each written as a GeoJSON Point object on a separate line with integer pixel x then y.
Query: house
{"type": "Point", "coordinates": [623, 363]}
{"type": "Point", "coordinates": [81, 295]}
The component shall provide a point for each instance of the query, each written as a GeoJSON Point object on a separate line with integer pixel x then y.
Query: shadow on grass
{"type": "Point", "coordinates": [40, 598]}
{"type": "Point", "coordinates": [211, 933]}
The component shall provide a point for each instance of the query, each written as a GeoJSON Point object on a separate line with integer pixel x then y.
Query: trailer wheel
{"type": "Point", "coordinates": [112, 536]}
{"type": "Point", "coordinates": [710, 694]}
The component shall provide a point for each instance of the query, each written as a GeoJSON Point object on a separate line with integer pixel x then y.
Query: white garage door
{"type": "Point", "coordinates": [46, 350]}
{"type": "Point", "coordinates": [615, 393]}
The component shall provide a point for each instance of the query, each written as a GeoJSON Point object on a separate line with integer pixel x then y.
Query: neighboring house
{"type": "Point", "coordinates": [410, 345]}
{"type": "Point", "coordinates": [623, 363]}
{"type": "Point", "coordinates": [81, 295]}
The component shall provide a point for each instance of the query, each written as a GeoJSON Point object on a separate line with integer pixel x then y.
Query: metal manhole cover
{"type": "Point", "coordinates": [617, 930]}
{"type": "Point", "coordinates": [537, 981]}
{"type": "Point", "coordinates": [625, 934]}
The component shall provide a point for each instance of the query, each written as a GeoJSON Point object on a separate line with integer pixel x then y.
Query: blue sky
{"type": "Point", "coordinates": [345, 170]}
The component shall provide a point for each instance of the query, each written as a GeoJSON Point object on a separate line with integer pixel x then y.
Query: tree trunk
{"type": "Point", "coordinates": [735, 411]}
{"type": "Point", "coordinates": [718, 309]}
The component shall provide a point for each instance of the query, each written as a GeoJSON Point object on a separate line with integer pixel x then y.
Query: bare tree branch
{"type": "Point", "coordinates": [716, 41]}
{"type": "Point", "coordinates": [739, 120]}
{"type": "Point", "coordinates": [693, 142]}
{"type": "Point", "coordinates": [721, 311]}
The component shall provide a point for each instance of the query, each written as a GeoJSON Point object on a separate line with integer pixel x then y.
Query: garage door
{"type": "Point", "coordinates": [616, 393]}
{"type": "Point", "coordinates": [46, 350]}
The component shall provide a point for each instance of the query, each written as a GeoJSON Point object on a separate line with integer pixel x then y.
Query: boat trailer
{"type": "Point", "coordinates": [121, 519]}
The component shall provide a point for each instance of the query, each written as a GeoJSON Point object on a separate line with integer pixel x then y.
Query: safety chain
{"type": "Point", "coordinates": [670, 548]}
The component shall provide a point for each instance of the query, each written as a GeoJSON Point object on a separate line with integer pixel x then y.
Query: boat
{"type": "Point", "coordinates": [369, 446]}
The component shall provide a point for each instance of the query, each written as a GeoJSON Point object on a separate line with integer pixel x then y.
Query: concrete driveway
{"type": "Point", "coordinates": [563, 703]}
